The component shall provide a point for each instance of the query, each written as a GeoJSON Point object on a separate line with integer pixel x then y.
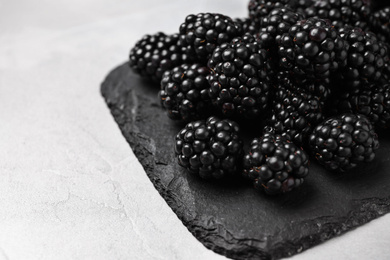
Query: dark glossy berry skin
{"type": "Point", "coordinates": [379, 23]}
{"type": "Point", "coordinates": [366, 58]}
{"type": "Point", "coordinates": [373, 101]}
{"type": "Point", "coordinates": [311, 50]}
{"type": "Point", "coordinates": [341, 142]}
{"type": "Point", "coordinates": [277, 22]}
{"type": "Point", "coordinates": [295, 113]}
{"type": "Point", "coordinates": [341, 12]}
{"type": "Point", "coordinates": [301, 5]}
{"type": "Point", "coordinates": [154, 54]}
{"type": "Point", "coordinates": [200, 34]}
{"type": "Point", "coordinates": [386, 67]}
{"type": "Point", "coordinates": [275, 164]}
{"type": "Point", "coordinates": [240, 81]}
{"type": "Point", "coordinates": [247, 25]}
{"type": "Point", "coordinates": [184, 92]}
{"type": "Point", "coordinates": [261, 8]}
{"type": "Point", "coordinates": [320, 89]}
{"type": "Point", "coordinates": [210, 148]}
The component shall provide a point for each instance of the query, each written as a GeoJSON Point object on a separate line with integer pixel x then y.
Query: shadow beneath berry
{"type": "Point", "coordinates": [367, 178]}
{"type": "Point", "coordinates": [363, 175]}
{"type": "Point", "coordinates": [383, 134]}
{"type": "Point", "coordinates": [251, 127]}
{"type": "Point", "coordinates": [296, 199]}
{"type": "Point", "coordinates": [231, 183]}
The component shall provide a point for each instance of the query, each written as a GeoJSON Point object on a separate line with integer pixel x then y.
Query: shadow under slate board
{"type": "Point", "coordinates": [230, 217]}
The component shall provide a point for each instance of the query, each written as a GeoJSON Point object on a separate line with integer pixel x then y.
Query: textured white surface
{"type": "Point", "coordinates": [70, 186]}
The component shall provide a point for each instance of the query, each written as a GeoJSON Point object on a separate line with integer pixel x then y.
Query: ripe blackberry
{"type": "Point", "coordinates": [211, 148]}
{"type": "Point", "coordinates": [201, 34]}
{"type": "Point", "coordinates": [373, 101]}
{"type": "Point", "coordinates": [277, 22]}
{"type": "Point", "coordinates": [341, 12]}
{"type": "Point", "coordinates": [240, 81]}
{"type": "Point", "coordinates": [295, 113]}
{"type": "Point", "coordinates": [341, 142]}
{"type": "Point", "coordinates": [275, 164]}
{"type": "Point", "coordinates": [184, 92]}
{"type": "Point", "coordinates": [379, 23]}
{"type": "Point", "coordinates": [366, 57]}
{"type": "Point", "coordinates": [311, 50]}
{"type": "Point", "coordinates": [154, 54]}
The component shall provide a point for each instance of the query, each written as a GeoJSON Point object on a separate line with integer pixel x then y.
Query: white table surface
{"type": "Point", "coordinates": [70, 186]}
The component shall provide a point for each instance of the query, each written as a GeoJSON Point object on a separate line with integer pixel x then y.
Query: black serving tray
{"type": "Point", "coordinates": [230, 217]}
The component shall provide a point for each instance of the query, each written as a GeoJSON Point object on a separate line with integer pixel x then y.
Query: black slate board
{"type": "Point", "coordinates": [231, 218]}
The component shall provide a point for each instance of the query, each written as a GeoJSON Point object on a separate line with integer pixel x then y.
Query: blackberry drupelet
{"type": "Point", "coordinates": [154, 54]}
{"type": "Point", "coordinates": [241, 74]}
{"type": "Point", "coordinates": [386, 66]}
{"type": "Point", "coordinates": [275, 164]}
{"type": "Point", "coordinates": [247, 25]}
{"type": "Point", "coordinates": [301, 5]}
{"type": "Point", "coordinates": [200, 34]}
{"type": "Point", "coordinates": [366, 58]}
{"type": "Point", "coordinates": [373, 101]}
{"type": "Point", "coordinates": [261, 8]}
{"type": "Point", "coordinates": [341, 142]}
{"type": "Point", "coordinates": [311, 50]}
{"type": "Point", "coordinates": [277, 22]}
{"type": "Point", "coordinates": [210, 148]}
{"type": "Point", "coordinates": [341, 12]}
{"type": "Point", "coordinates": [184, 92]}
{"type": "Point", "coordinates": [319, 89]}
{"type": "Point", "coordinates": [380, 23]}
{"type": "Point", "coordinates": [295, 114]}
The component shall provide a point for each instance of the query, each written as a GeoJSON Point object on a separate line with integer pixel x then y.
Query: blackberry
{"type": "Point", "coordinates": [211, 148]}
{"type": "Point", "coordinates": [154, 54]}
{"type": "Point", "coordinates": [311, 50]}
{"type": "Point", "coordinates": [275, 164]}
{"type": "Point", "coordinates": [366, 57]}
{"type": "Point", "coordinates": [341, 142]}
{"type": "Point", "coordinates": [184, 92]}
{"type": "Point", "coordinates": [295, 113]}
{"type": "Point", "coordinates": [277, 22]}
{"type": "Point", "coordinates": [241, 74]}
{"type": "Point", "coordinates": [372, 101]}
{"type": "Point", "coordinates": [201, 34]}
{"type": "Point", "coordinates": [379, 23]}
{"type": "Point", "coordinates": [341, 12]}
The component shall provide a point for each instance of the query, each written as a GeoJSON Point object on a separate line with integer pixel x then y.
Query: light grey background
{"type": "Point", "coordinates": [70, 186]}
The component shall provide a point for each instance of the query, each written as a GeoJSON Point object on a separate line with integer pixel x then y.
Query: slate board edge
{"type": "Point", "coordinates": [209, 237]}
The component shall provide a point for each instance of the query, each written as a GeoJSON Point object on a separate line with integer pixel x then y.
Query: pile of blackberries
{"type": "Point", "coordinates": [314, 74]}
